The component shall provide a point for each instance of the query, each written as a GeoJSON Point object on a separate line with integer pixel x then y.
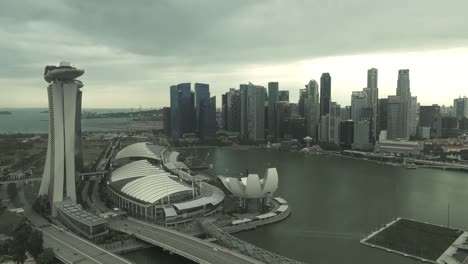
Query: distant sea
{"type": "Point", "coordinates": [32, 121]}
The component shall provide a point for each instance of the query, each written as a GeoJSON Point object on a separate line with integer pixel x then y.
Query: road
{"type": "Point", "coordinates": [182, 244]}
{"type": "Point", "coordinates": [22, 180]}
{"type": "Point", "coordinates": [68, 247]}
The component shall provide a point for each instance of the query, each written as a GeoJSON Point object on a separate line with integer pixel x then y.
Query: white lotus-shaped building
{"type": "Point", "coordinates": [252, 187]}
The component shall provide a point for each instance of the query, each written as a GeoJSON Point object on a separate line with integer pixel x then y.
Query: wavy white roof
{"type": "Point", "coordinates": [135, 169]}
{"type": "Point", "coordinates": [251, 186]}
{"type": "Point", "coordinates": [214, 197]}
{"type": "Point", "coordinates": [152, 183]}
{"type": "Point", "coordinates": [142, 149]}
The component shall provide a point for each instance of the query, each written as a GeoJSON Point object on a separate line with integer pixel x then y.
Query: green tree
{"type": "Point", "coordinates": [25, 238]}
{"type": "Point", "coordinates": [12, 191]}
{"type": "Point", "coordinates": [35, 242]}
{"type": "Point", "coordinates": [46, 257]}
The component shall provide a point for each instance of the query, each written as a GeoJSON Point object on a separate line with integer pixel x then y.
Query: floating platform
{"type": "Point", "coordinates": [423, 241]}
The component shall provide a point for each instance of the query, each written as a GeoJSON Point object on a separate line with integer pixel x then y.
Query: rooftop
{"type": "Point", "coordinates": [76, 212]}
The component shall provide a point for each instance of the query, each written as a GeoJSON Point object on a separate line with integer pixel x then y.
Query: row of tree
{"type": "Point", "coordinates": [27, 239]}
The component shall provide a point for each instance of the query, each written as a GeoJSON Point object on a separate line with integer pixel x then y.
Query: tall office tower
{"type": "Point", "coordinates": [182, 110]}
{"type": "Point", "coordinates": [167, 121]}
{"type": "Point", "coordinates": [460, 107]}
{"type": "Point", "coordinates": [394, 113]}
{"type": "Point", "coordinates": [345, 113]}
{"type": "Point", "coordinates": [234, 110]}
{"type": "Point", "coordinates": [346, 134]}
{"type": "Point", "coordinates": [413, 116]}
{"type": "Point", "coordinates": [273, 98]}
{"type": "Point", "coordinates": [283, 114]}
{"type": "Point", "coordinates": [382, 117]}
{"type": "Point", "coordinates": [207, 124]}
{"type": "Point", "coordinates": [431, 117]}
{"type": "Point", "coordinates": [324, 133]}
{"type": "Point", "coordinates": [176, 129]}
{"type": "Point", "coordinates": [58, 180]}
{"type": "Point", "coordinates": [202, 92]}
{"type": "Point", "coordinates": [255, 113]}
{"type": "Point", "coordinates": [243, 93]}
{"type": "Point", "coordinates": [361, 135]}
{"type": "Point", "coordinates": [447, 110]}
{"type": "Point", "coordinates": [335, 114]}
{"type": "Point", "coordinates": [312, 109]}
{"type": "Point", "coordinates": [358, 103]}
{"type": "Point", "coordinates": [403, 91]}
{"type": "Point", "coordinates": [224, 112]}
{"type": "Point", "coordinates": [283, 96]}
{"type": "Point", "coordinates": [373, 99]}
{"type": "Point", "coordinates": [301, 103]}
{"type": "Point", "coordinates": [325, 94]}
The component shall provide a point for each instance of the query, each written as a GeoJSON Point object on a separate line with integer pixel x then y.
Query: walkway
{"type": "Point", "coordinates": [182, 244]}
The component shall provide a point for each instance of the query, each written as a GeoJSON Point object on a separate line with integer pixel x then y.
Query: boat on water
{"type": "Point", "coordinates": [411, 166]}
{"type": "Point", "coordinates": [5, 113]}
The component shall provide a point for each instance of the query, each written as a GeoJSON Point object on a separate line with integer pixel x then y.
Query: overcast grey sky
{"type": "Point", "coordinates": [133, 51]}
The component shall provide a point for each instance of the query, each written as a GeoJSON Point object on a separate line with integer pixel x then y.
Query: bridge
{"type": "Point", "coordinates": [69, 248]}
{"type": "Point", "coordinates": [245, 248]}
{"type": "Point", "coordinates": [190, 247]}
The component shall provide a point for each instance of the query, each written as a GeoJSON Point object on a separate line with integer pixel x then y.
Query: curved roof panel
{"type": "Point", "coordinates": [142, 149]}
{"type": "Point", "coordinates": [251, 186]}
{"type": "Point", "coordinates": [146, 182]}
{"type": "Point", "coordinates": [152, 188]}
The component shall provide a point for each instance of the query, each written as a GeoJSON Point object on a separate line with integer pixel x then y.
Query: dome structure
{"type": "Point", "coordinates": [252, 187]}
{"type": "Point", "coordinates": [144, 150]}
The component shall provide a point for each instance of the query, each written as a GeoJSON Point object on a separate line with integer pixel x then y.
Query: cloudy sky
{"type": "Point", "coordinates": [133, 51]}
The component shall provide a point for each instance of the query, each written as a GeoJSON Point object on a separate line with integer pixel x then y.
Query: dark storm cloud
{"type": "Point", "coordinates": [160, 39]}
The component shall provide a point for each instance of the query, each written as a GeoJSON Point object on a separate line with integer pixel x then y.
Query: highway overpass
{"type": "Point", "coordinates": [182, 244]}
{"type": "Point", "coordinates": [70, 248]}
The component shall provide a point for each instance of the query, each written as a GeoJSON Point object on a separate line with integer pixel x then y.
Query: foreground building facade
{"type": "Point", "coordinates": [64, 95]}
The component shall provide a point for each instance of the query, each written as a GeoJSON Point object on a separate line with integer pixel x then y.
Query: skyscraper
{"type": "Point", "coordinates": [335, 113]}
{"type": "Point", "coordinates": [233, 110]}
{"type": "Point", "coordinates": [202, 92]}
{"type": "Point", "coordinates": [413, 116]}
{"type": "Point", "coordinates": [273, 98]}
{"type": "Point", "coordinates": [207, 118]}
{"type": "Point", "coordinates": [430, 116]}
{"type": "Point", "coordinates": [358, 103]}
{"type": "Point", "coordinates": [224, 112]}
{"type": "Point", "coordinates": [301, 103]}
{"type": "Point", "coordinates": [253, 112]}
{"type": "Point", "coordinates": [283, 96]}
{"type": "Point", "coordinates": [460, 106]}
{"type": "Point", "coordinates": [312, 109]}
{"type": "Point", "coordinates": [361, 135]}
{"type": "Point", "coordinates": [58, 181]}
{"type": "Point", "coordinates": [325, 94]}
{"type": "Point", "coordinates": [243, 93]}
{"type": "Point", "coordinates": [394, 113]}
{"type": "Point", "coordinates": [383, 112]}
{"type": "Point", "coordinates": [403, 91]}
{"type": "Point", "coordinates": [373, 100]}
{"type": "Point", "coordinates": [182, 110]}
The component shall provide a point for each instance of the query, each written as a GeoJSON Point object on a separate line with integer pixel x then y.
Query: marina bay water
{"type": "Point", "coordinates": [336, 201]}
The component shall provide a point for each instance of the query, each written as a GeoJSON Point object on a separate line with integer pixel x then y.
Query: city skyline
{"type": "Point", "coordinates": [136, 67]}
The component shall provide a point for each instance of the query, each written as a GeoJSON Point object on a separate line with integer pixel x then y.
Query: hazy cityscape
{"type": "Point", "coordinates": [233, 132]}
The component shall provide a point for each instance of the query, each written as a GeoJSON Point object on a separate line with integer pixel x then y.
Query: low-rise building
{"type": "Point", "coordinates": [401, 147]}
